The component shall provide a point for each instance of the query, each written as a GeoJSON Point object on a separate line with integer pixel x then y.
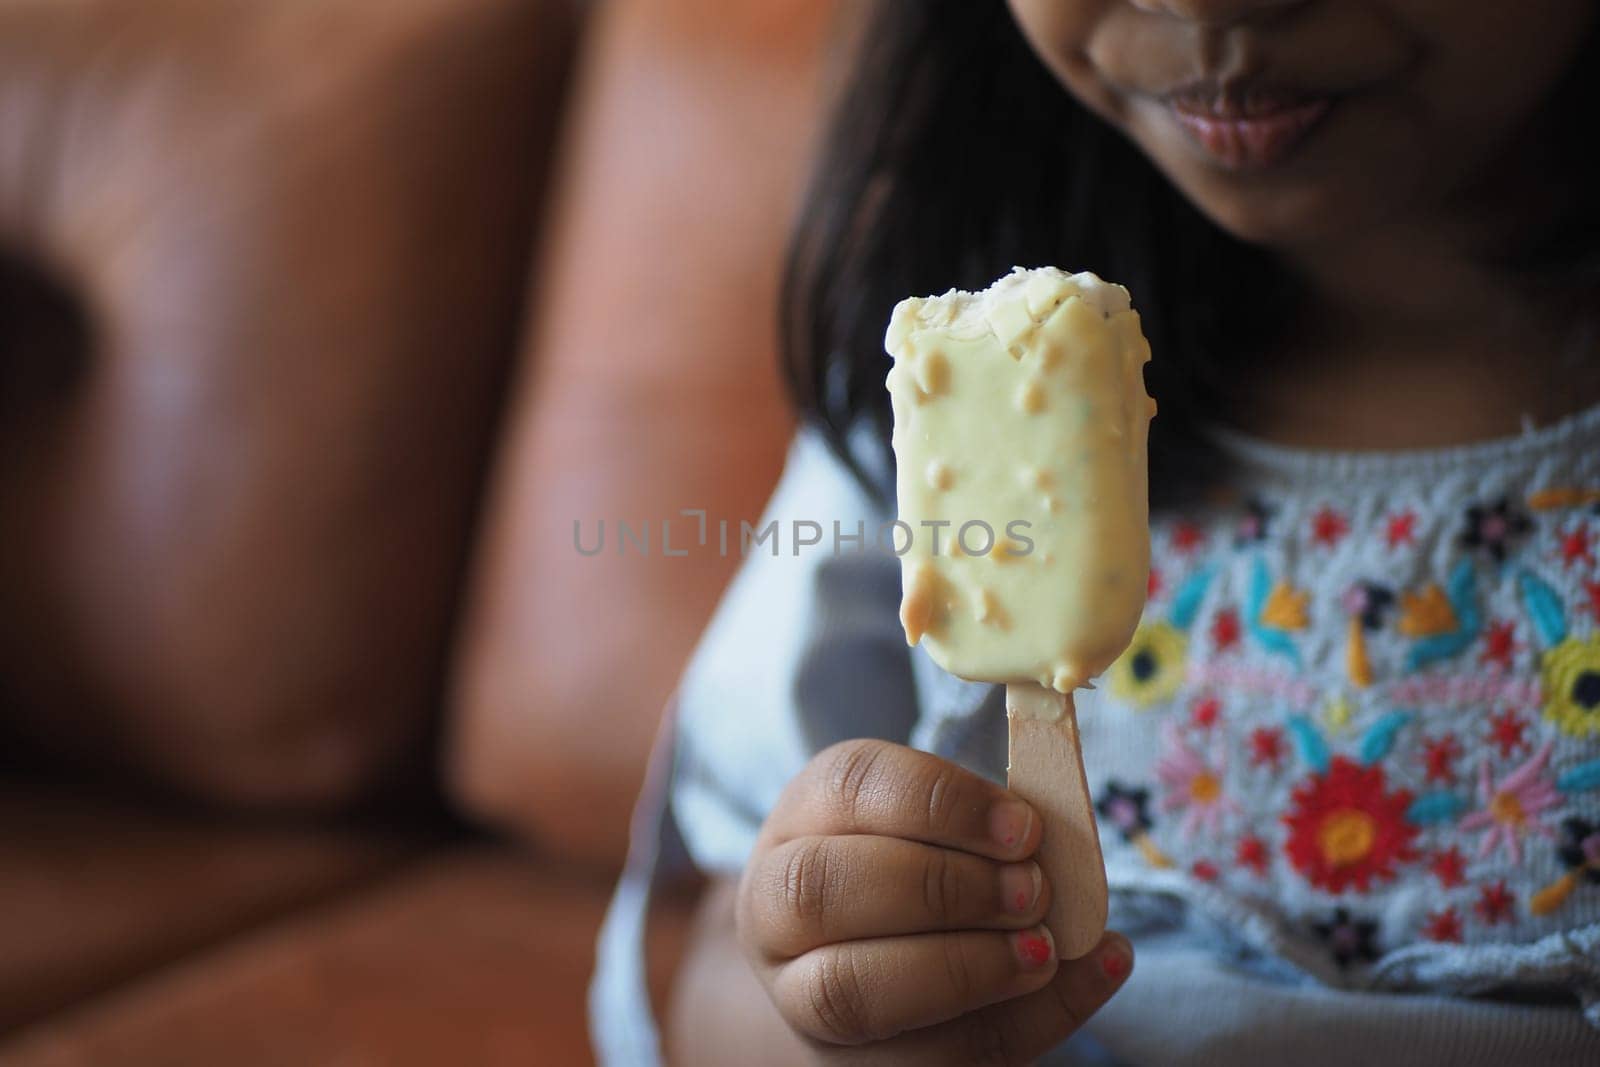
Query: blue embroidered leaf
{"type": "Point", "coordinates": [1379, 738]}
{"type": "Point", "coordinates": [1462, 591]}
{"type": "Point", "coordinates": [1269, 637]}
{"type": "Point", "coordinates": [1260, 588]}
{"type": "Point", "coordinates": [1313, 749]}
{"type": "Point", "coordinates": [1439, 806]}
{"type": "Point", "coordinates": [1186, 602]}
{"type": "Point", "coordinates": [1544, 607]}
{"type": "Point", "coordinates": [1438, 647]}
{"type": "Point", "coordinates": [1583, 776]}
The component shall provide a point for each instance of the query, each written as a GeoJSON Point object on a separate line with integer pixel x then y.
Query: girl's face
{"type": "Point", "coordinates": [1287, 121]}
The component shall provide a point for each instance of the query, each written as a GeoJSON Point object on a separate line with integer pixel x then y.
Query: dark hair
{"type": "Point", "coordinates": [955, 155]}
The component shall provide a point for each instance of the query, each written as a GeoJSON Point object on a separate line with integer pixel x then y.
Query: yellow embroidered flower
{"type": "Point", "coordinates": [1572, 686]}
{"type": "Point", "coordinates": [1153, 666]}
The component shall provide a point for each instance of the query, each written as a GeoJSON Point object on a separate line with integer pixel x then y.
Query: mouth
{"type": "Point", "coordinates": [1251, 128]}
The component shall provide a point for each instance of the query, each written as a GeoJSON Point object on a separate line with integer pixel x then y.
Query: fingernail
{"type": "Point", "coordinates": [1034, 947]}
{"type": "Point", "coordinates": [1008, 823]}
{"type": "Point", "coordinates": [1116, 960]}
{"type": "Point", "coordinates": [1019, 886]}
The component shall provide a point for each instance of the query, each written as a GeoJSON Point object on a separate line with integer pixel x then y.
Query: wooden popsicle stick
{"type": "Point", "coordinates": [1046, 769]}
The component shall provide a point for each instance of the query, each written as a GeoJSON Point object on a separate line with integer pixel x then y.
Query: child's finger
{"type": "Point", "coordinates": [861, 991]}
{"type": "Point", "coordinates": [875, 787]}
{"type": "Point", "coordinates": [1022, 1029]}
{"type": "Point", "coordinates": [815, 891]}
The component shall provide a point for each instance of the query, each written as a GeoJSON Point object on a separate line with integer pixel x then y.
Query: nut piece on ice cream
{"type": "Point", "coordinates": [1020, 421]}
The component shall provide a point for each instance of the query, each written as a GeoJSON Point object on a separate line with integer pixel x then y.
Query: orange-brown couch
{"type": "Point", "coordinates": [321, 321]}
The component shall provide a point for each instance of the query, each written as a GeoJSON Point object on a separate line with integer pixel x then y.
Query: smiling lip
{"type": "Point", "coordinates": [1247, 130]}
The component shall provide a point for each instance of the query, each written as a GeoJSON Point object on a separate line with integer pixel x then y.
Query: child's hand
{"type": "Point", "coordinates": [891, 911]}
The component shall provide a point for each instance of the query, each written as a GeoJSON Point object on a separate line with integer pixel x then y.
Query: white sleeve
{"type": "Point", "coordinates": [805, 649]}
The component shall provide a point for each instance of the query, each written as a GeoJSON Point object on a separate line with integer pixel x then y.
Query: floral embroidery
{"type": "Point", "coordinates": [1192, 784]}
{"type": "Point", "coordinates": [1350, 938]}
{"type": "Point", "coordinates": [1336, 713]}
{"type": "Point", "coordinates": [1366, 603]}
{"type": "Point", "coordinates": [1544, 607]}
{"type": "Point", "coordinates": [1205, 870]}
{"type": "Point", "coordinates": [1499, 644]}
{"type": "Point", "coordinates": [1571, 673]}
{"type": "Point", "coordinates": [1495, 530]}
{"type": "Point", "coordinates": [1440, 807]}
{"type": "Point", "coordinates": [1205, 711]}
{"type": "Point", "coordinates": [1186, 601]}
{"type": "Point", "coordinates": [1575, 546]}
{"type": "Point", "coordinates": [1494, 903]}
{"type": "Point", "coordinates": [1251, 852]}
{"type": "Point", "coordinates": [1151, 669]}
{"type": "Point", "coordinates": [1274, 611]}
{"type": "Point", "coordinates": [1506, 730]}
{"type": "Point", "coordinates": [1583, 777]}
{"type": "Point", "coordinates": [1285, 608]}
{"type": "Point", "coordinates": [1427, 614]}
{"type": "Point", "coordinates": [1187, 537]}
{"type": "Point", "coordinates": [1445, 622]}
{"type": "Point", "coordinates": [1401, 529]}
{"type": "Point", "coordinates": [1346, 830]}
{"type": "Point", "coordinates": [1124, 807]}
{"type": "Point", "coordinates": [1449, 867]}
{"type": "Point", "coordinates": [1253, 527]}
{"type": "Point", "coordinates": [1509, 808]}
{"type": "Point", "coordinates": [1328, 527]}
{"type": "Point", "coordinates": [1225, 629]}
{"type": "Point", "coordinates": [1443, 926]}
{"type": "Point", "coordinates": [1379, 738]}
{"type": "Point", "coordinates": [1579, 852]}
{"type": "Point", "coordinates": [1152, 585]}
{"type": "Point", "coordinates": [1562, 497]}
{"type": "Point", "coordinates": [1592, 591]}
{"type": "Point", "coordinates": [1266, 746]}
{"type": "Point", "coordinates": [1440, 754]}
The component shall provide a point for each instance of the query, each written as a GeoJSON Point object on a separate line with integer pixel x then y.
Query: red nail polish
{"type": "Point", "coordinates": [1114, 964]}
{"type": "Point", "coordinates": [1035, 950]}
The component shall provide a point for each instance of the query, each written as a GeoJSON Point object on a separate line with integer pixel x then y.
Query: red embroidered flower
{"type": "Point", "coordinates": [1499, 644]}
{"type": "Point", "coordinates": [1186, 537]}
{"type": "Point", "coordinates": [1447, 867]}
{"type": "Point", "coordinates": [1204, 870]}
{"type": "Point", "coordinates": [1152, 588]}
{"type": "Point", "coordinates": [1266, 746]}
{"type": "Point", "coordinates": [1252, 853]}
{"type": "Point", "coordinates": [1440, 754]}
{"type": "Point", "coordinates": [1505, 730]}
{"type": "Point", "coordinates": [1575, 546]}
{"type": "Point", "coordinates": [1328, 527]}
{"type": "Point", "coordinates": [1401, 529]}
{"type": "Point", "coordinates": [1345, 830]}
{"type": "Point", "coordinates": [1494, 903]}
{"type": "Point", "coordinates": [1593, 591]}
{"type": "Point", "coordinates": [1225, 627]}
{"type": "Point", "coordinates": [1205, 711]}
{"type": "Point", "coordinates": [1443, 926]}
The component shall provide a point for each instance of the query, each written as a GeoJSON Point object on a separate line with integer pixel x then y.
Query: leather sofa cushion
{"type": "Point", "coordinates": [265, 260]}
{"type": "Point", "coordinates": [649, 385]}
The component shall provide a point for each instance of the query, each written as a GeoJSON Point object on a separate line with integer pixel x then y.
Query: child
{"type": "Point", "coordinates": [1348, 773]}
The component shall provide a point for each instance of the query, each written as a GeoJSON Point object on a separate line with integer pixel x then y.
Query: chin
{"type": "Point", "coordinates": [1285, 213]}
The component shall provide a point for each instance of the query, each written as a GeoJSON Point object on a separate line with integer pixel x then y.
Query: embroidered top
{"type": "Point", "coordinates": [1354, 749]}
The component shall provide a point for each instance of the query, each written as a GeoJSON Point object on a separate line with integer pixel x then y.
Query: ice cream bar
{"type": "Point", "coordinates": [1020, 422]}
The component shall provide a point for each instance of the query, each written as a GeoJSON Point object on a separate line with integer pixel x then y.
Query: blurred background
{"type": "Point", "coordinates": [321, 321]}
